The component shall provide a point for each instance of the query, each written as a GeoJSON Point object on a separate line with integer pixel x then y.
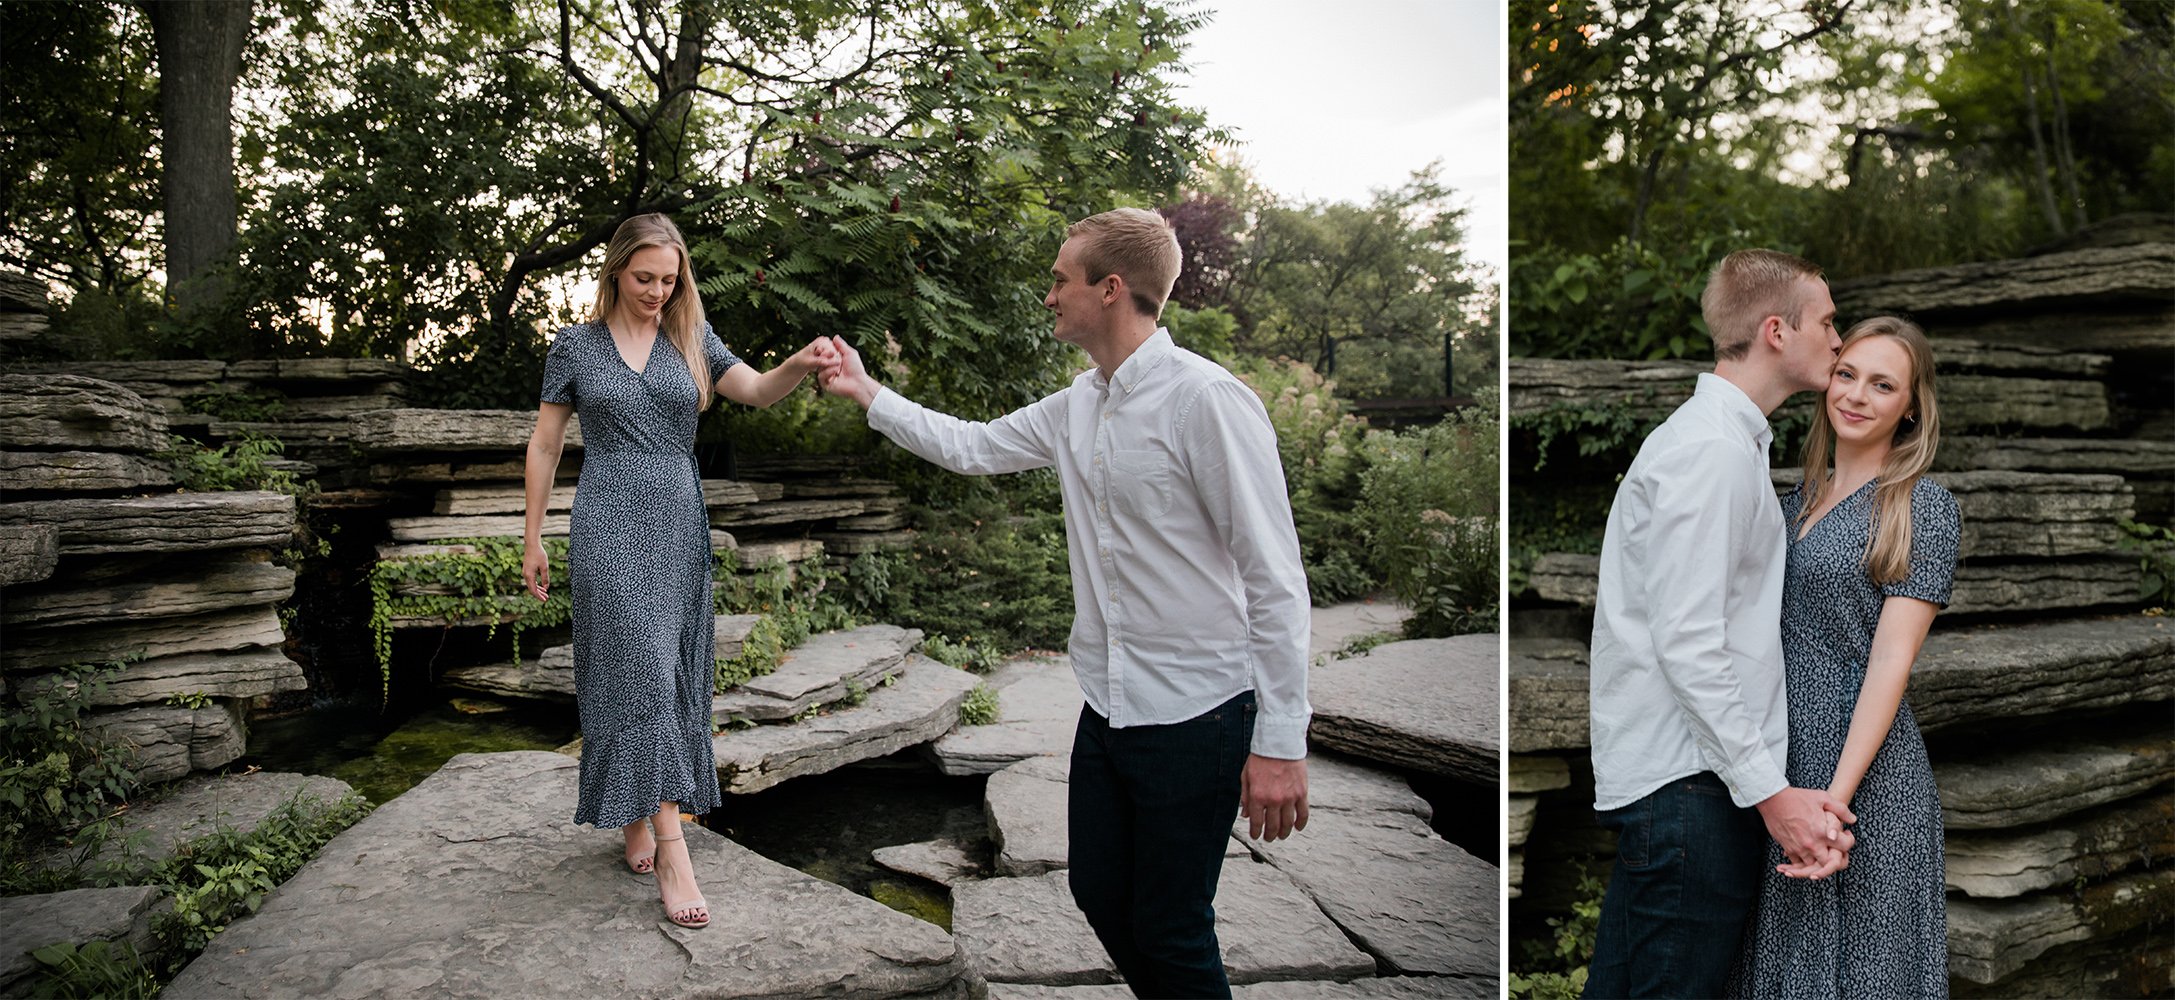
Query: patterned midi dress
{"type": "Point", "coordinates": [639, 562]}
{"type": "Point", "coordinates": [1878, 928]}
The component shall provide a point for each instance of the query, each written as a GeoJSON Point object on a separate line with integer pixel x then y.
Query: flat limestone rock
{"type": "Point", "coordinates": [1038, 708]}
{"type": "Point", "coordinates": [173, 522]}
{"type": "Point", "coordinates": [1026, 805]}
{"type": "Point", "coordinates": [359, 373]}
{"type": "Point", "coordinates": [481, 468]}
{"type": "Point", "coordinates": [73, 413]}
{"type": "Point", "coordinates": [77, 916]}
{"type": "Point", "coordinates": [728, 632]}
{"type": "Point", "coordinates": [2139, 272]}
{"type": "Point", "coordinates": [920, 706]}
{"type": "Point", "coordinates": [460, 501]}
{"type": "Point", "coordinates": [2128, 457]}
{"type": "Point", "coordinates": [1385, 988]}
{"type": "Point", "coordinates": [843, 543]}
{"type": "Point", "coordinates": [184, 590]}
{"type": "Point", "coordinates": [883, 522]}
{"type": "Point", "coordinates": [244, 673]}
{"type": "Point", "coordinates": [170, 741]}
{"type": "Point", "coordinates": [825, 669]}
{"type": "Point", "coordinates": [2132, 964]}
{"type": "Point", "coordinates": [1548, 695]}
{"type": "Point", "coordinates": [757, 555]}
{"type": "Point", "coordinates": [383, 432]}
{"type": "Point", "coordinates": [204, 804]}
{"type": "Point", "coordinates": [527, 679]}
{"type": "Point", "coordinates": [80, 471]}
{"type": "Point", "coordinates": [1027, 930]}
{"type": "Point", "coordinates": [28, 552]}
{"type": "Point", "coordinates": [1426, 704]}
{"type": "Point", "coordinates": [1991, 939]}
{"type": "Point", "coordinates": [1999, 864]}
{"type": "Point", "coordinates": [2013, 786]}
{"type": "Point", "coordinates": [150, 638]}
{"type": "Point", "coordinates": [785, 512]}
{"type": "Point", "coordinates": [945, 862]}
{"type": "Point", "coordinates": [488, 834]}
{"type": "Point", "coordinates": [1980, 588]}
{"type": "Point", "coordinates": [1518, 819]}
{"type": "Point", "coordinates": [436, 529]}
{"type": "Point", "coordinates": [1533, 773]}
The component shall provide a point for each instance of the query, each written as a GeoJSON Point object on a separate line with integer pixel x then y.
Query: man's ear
{"type": "Point", "coordinates": [1113, 289]}
{"type": "Point", "coordinates": [1771, 332]}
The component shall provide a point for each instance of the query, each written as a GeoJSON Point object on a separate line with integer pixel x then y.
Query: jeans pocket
{"type": "Point", "coordinates": [1634, 827]}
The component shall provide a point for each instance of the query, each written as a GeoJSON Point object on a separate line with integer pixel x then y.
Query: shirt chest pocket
{"type": "Point", "coordinates": [1140, 482]}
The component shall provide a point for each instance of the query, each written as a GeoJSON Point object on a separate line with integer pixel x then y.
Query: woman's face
{"type": "Point", "coordinates": [647, 282]}
{"type": "Point", "coordinates": [1870, 391]}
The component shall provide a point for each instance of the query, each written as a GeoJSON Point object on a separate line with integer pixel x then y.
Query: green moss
{"type": "Point", "coordinates": [914, 901]}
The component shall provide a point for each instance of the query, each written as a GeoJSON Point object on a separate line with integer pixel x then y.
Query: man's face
{"type": "Point", "coordinates": [1808, 349]}
{"type": "Point", "coordinates": [1076, 304]}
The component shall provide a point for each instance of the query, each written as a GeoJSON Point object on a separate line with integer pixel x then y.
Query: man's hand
{"type": "Point", "coordinates": [818, 357]}
{"type": "Point", "coordinates": [1273, 797]}
{"type": "Point", "coordinates": [847, 377]}
{"type": "Point", "coordinates": [1808, 823]}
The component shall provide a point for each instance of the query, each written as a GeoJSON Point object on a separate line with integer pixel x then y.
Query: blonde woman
{"type": "Point", "coordinates": [1872, 554]}
{"type": "Point", "coordinates": [640, 373]}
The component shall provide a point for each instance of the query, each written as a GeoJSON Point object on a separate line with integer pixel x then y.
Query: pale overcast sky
{"type": "Point", "coordinates": [1331, 100]}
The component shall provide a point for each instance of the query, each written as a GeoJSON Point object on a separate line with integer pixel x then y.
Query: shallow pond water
{"type": "Point", "coordinates": [383, 754]}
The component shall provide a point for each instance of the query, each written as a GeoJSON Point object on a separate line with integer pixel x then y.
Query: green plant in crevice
{"type": "Point", "coordinates": [795, 602]}
{"type": "Point", "coordinates": [242, 463]}
{"type": "Point", "coordinates": [107, 970]}
{"type": "Point", "coordinates": [979, 708]}
{"type": "Point", "coordinates": [970, 655]}
{"type": "Point", "coordinates": [467, 578]}
{"type": "Point", "coordinates": [224, 876]}
{"type": "Point", "coordinates": [238, 407]}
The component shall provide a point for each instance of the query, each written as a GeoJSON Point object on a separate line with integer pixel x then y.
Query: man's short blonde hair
{"type": "Point", "coordinates": [1747, 287]}
{"type": "Point", "coordinates": [1133, 244]}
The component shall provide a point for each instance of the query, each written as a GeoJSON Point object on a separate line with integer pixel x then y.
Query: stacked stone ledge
{"type": "Point", "coordinates": [2044, 695]}
{"type": "Point", "coordinates": [100, 564]}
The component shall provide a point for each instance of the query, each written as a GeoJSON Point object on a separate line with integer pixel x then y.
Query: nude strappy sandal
{"type": "Point", "coordinates": [675, 911]}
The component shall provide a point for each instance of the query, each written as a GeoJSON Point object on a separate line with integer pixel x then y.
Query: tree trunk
{"type": "Point", "coordinates": [2065, 152]}
{"type": "Point", "coordinates": [200, 57]}
{"type": "Point", "coordinates": [2040, 182]}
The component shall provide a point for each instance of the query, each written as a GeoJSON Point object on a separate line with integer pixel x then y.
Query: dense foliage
{"type": "Point", "coordinates": [1430, 510]}
{"type": "Point", "coordinates": [55, 777]}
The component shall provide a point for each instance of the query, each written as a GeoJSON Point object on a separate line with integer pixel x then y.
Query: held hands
{"type": "Point", "coordinates": [536, 570]}
{"type": "Point", "coordinates": [1273, 797]}
{"type": "Point", "coordinates": [818, 357]}
{"type": "Point", "coordinates": [1808, 823]}
{"type": "Point", "coordinates": [847, 377]}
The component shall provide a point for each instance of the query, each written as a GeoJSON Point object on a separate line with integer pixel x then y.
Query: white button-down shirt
{"type": "Point", "coordinates": [1687, 633]}
{"type": "Point", "coordinates": [1186, 581]}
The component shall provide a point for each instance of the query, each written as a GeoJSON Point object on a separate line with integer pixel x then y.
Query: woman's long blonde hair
{"type": "Point", "coordinates": [681, 319]}
{"type": "Point", "coordinates": [1918, 435]}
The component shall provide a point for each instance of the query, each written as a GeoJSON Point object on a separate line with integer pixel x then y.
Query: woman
{"type": "Point", "coordinates": [640, 373]}
{"type": "Point", "coordinates": [1872, 553]}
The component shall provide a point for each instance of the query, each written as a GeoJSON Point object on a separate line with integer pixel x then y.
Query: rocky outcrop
{"type": "Point", "coordinates": [2000, 864]}
{"type": "Point", "coordinates": [184, 589]}
{"type": "Point", "coordinates": [828, 668]}
{"type": "Point", "coordinates": [244, 673]}
{"type": "Point", "coordinates": [174, 522]}
{"type": "Point", "coordinates": [1428, 704]}
{"type": "Point", "coordinates": [80, 472]}
{"type": "Point", "coordinates": [920, 706]}
{"type": "Point", "coordinates": [153, 828]}
{"type": "Point", "coordinates": [1650, 390]}
{"type": "Point", "coordinates": [1992, 940]}
{"type": "Point", "coordinates": [2012, 786]}
{"type": "Point", "coordinates": [1548, 682]}
{"type": "Point", "coordinates": [120, 915]}
{"type": "Point", "coordinates": [167, 741]}
{"type": "Point", "coordinates": [73, 413]}
{"type": "Point", "coordinates": [413, 430]}
{"type": "Point", "coordinates": [149, 638]}
{"type": "Point", "coordinates": [2094, 276]}
{"type": "Point", "coordinates": [28, 552]}
{"type": "Point", "coordinates": [1980, 588]}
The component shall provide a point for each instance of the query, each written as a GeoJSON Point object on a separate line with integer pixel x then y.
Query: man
{"type": "Point", "coordinates": [1190, 624]}
{"type": "Point", "coordinates": [1690, 729]}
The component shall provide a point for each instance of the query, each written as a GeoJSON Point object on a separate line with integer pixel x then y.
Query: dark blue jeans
{"type": "Point", "coordinates": [1150, 811]}
{"type": "Point", "coordinates": [1688, 867]}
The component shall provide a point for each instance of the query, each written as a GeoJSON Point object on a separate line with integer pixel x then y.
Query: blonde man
{"type": "Point", "coordinates": [1690, 728]}
{"type": "Point", "coordinates": [1190, 623]}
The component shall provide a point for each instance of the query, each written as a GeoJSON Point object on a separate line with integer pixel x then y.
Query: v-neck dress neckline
{"type": "Point", "coordinates": [1801, 534]}
{"type": "Point", "coordinates": [647, 359]}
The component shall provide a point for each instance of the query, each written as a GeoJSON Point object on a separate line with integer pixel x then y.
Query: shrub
{"type": "Point", "coordinates": [795, 603]}
{"type": "Point", "coordinates": [1632, 301]}
{"type": "Point", "coordinates": [243, 463]}
{"type": "Point", "coordinates": [55, 778]}
{"type": "Point", "coordinates": [225, 876]}
{"type": "Point", "coordinates": [1556, 970]}
{"type": "Point", "coordinates": [980, 706]}
{"type": "Point", "coordinates": [1429, 512]}
{"type": "Point", "coordinates": [478, 578]}
{"type": "Point", "coordinates": [1320, 444]}
{"type": "Point", "coordinates": [978, 575]}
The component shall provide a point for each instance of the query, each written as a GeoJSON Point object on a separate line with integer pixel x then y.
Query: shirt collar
{"type": "Point", "coordinates": [1145, 359]}
{"type": "Point", "coordinates": [1739, 406]}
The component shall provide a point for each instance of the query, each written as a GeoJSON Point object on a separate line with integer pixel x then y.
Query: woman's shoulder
{"type": "Point", "coordinates": [571, 334]}
{"type": "Point", "coordinates": [1932, 503]}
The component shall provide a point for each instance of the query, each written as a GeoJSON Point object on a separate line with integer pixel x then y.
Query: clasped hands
{"type": "Point", "coordinates": [837, 368]}
{"type": "Point", "coordinates": [1810, 825]}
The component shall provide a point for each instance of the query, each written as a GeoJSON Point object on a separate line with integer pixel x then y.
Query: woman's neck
{"type": "Point", "coordinates": [1857, 464]}
{"type": "Point", "coordinates": [621, 321]}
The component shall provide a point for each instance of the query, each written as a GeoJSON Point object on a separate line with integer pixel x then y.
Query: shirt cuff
{"type": "Point", "coordinates": [1752, 781]}
{"type": "Point", "coordinates": [879, 414]}
{"type": "Point", "coordinates": [1283, 737]}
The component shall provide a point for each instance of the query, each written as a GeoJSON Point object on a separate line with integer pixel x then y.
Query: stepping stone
{"type": "Point", "coordinates": [2064, 280]}
{"type": "Point", "coordinates": [920, 706]}
{"type": "Point", "coordinates": [1990, 939]}
{"type": "Point", "coordinates": [2011, 786]}
{"type": "Point", "coordinates": [405, 430]}
{"type": "Point", "coordinates": [825, 669]}
{"type": "Point", "coordinates": [1416, 902]}
{"type": "Point", "coordinates": [1426, 704]}
{"type": "Point", "coordinates": [2067, 585]}
{"type": "Point", "coordinates": [77, 916]}
{"type": "Point", "coordinates": [943, 861]}
{"type": "Point", "coordinates": [1548, 681]}
{"type": "Point", "coordinates": [1027, 930]}
{"type": "Point", "coordinates": [244, 673]}
{"type": "Point", "coordinates": [146, 835]}
{"type": "Point", "coordinates": [1999, 864]}
{"type": "Point", "coordinates": [1027, 808]}
{"type": "Point", "coordinates": [193, 587]}
{"type": "Point", "coordinates": [81, 471]}
{"type": "Point", "coordinates": [1341, 623]}
{"type": "Point", "coordinates": [477, 886]}
{"type": "Point", "coordinates": [28, 553]}
{"type": "Point", "coordinates": [1038, 709]}
{"type": "Point", "coordinates": [218, 631]}
{"type": "Point", "coordinates": [1388, 988]}
{"type": "Point", "coordinates": [170, 740]}
{"type": "Point", "coordinates": [74, 413]}
{"type": "Point", "coordinates": [172, 522]}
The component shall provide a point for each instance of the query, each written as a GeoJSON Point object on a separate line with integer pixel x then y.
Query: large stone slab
{"type": "Point", "coordinates": [80, 471]}
{"type": "Point", "coordinates": [174, 522]}
{"type": "Point", "coordinates": [433, 528]}
{"type": "Point", "coordinates": [2010, 786]}
{"type": "Point", "coordinates": [2134, 964]}
{"type": "Point", "coordinates": [1990, 939]}
{"type": "Point", "coordinates": [825, 669]}
{"type": "Point", "coordinates": [2143, 272]}
{"type": "Point", "coordinates": [1425, 704]}
{"type": "Point", "coordinates": [417, 430]}
{"type": "Point", "coordinates": [1026, 805]}
{"type": "Point", "coordinates": [785, 512]}
{"type": "Point", "coordinates": [150, 638]}
{"type": "Point", "coordinates": [920, 706]}
{"type": "Point", "coordinates": [479, 468]}
{"type": "Point", "coordinates": [2148, 465]}
{"type": "Point", "coordinates": [487, 835]}
{"type": "Point", "coordinates": [1533, 773]}
{"type": "Point", "coordinates": [1980, 588]}
{"type": "Point", "coordinates": [1333, 626]}
{"type": "Point", "coordinates": [155, 826]}
{"type": "Point", "coordinates": [356, 372]}
{"type": "Point", "coordinates": [244, 673]}
{"type": "Point", "coordinates": [169, 741]}
{"type": "Point", "coordinates": [1416, 902]}
{"type": "Point", "coordinates": [78, 916]}
{"type": "Point", "coordinates": [28, 553]}
{"type": "Point", "coordinates": [1038, 708]}
{"type": "Point", "coordinates": [1027, 930]}
{"type": "Point", "coordinates": [174, 590]}
{"type": "Point", "coordinates": [1385, 988]}
{"type": "Point", "coordinates": [945, 862]}
{"type": "Point", "coordinates": [1999, 864]}
{"type": "Point", "coordinates": [73, 413]}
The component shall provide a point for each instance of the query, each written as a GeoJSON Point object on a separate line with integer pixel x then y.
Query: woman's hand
{"type": "Point", "coordinates": [536, 570]}
{"type": "Point", "coordinates": [814, 358]}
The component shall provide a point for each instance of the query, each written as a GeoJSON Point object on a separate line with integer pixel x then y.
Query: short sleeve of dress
{"type": "Point", "coordinates": [715, 351]}
{"type": "Point", "coordinates": [559, 369]}
{"type": "Point", "coordinates": [1936, 534]}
